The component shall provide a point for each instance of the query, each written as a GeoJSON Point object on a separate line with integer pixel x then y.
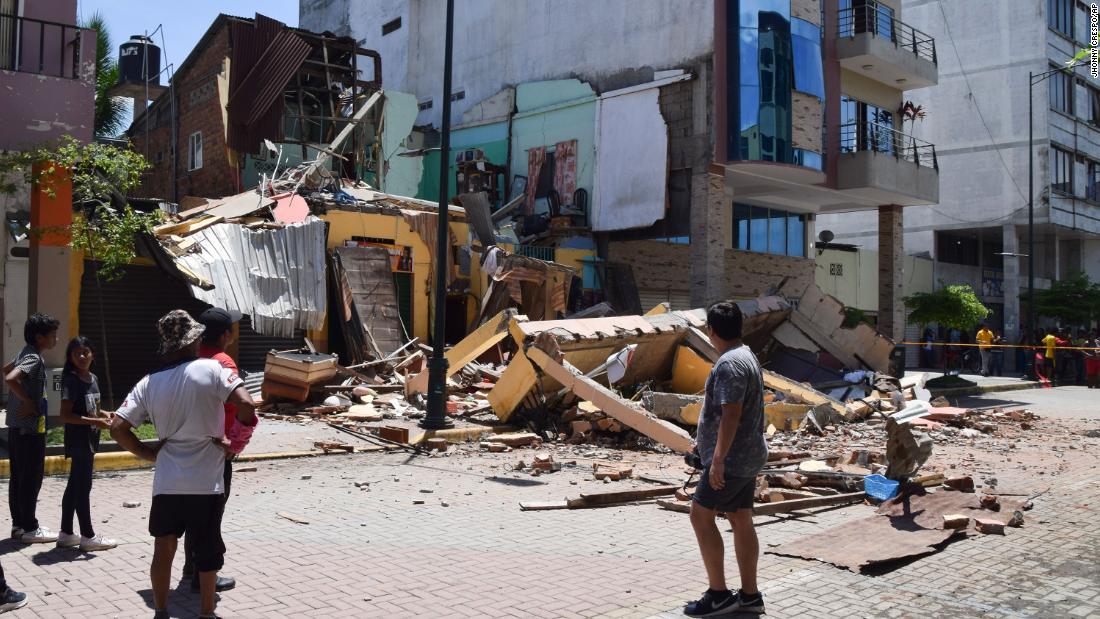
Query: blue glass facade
{"type": "Point", "coordinates": [770, 56]}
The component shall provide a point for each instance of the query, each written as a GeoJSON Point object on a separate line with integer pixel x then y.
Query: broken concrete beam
{"type": "Point", "coordinates": [489, 334]}
{"type": "Point", "coordinates": [514, 385]}
{"type": "Point", "coordinates": [964, 483]}
{"type": "Point", "coordinates": [989, 527]}
{"type": "Point", "coordinates": [612, 472]}
{"type": "Point", "coordinates": [956, 521]}
{"type": "Point", "coordinates": [799, 392]}
{"type": "Point", "coordinates": [674, 406]}
{"type": "Point", "coordinates": [514, 439]}
{"type": "Point", "coordinates": [663, 432]}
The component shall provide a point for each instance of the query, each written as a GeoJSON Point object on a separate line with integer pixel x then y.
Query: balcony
{"type": "Point", "coordinates": [51, 67]}
{"type": "Point", "coordinates": [881, 165]}
{"type": "Point", "coordinates": [40, 47]}
{"type": "Point", "coordinates": [874, 44]}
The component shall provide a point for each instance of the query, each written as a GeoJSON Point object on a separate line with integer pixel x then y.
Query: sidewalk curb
{"type": "Point", "coordinates": [126, 461]}
{"type": "Point", "coordinates": [980, 389]}
{"type": "Point", "coordinates": [460, 435]}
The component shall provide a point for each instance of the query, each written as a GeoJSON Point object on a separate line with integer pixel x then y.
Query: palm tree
{"type": "Point", "coordinates": [109, 111]}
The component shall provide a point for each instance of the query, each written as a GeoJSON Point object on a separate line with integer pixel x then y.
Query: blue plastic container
{"type": "Point", "coordinates": [880, 488]}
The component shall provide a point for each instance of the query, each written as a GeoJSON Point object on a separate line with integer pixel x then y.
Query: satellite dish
{"type": "Point", "coordinates": [826, 236]}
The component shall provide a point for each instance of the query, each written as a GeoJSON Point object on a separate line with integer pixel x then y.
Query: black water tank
{"type": "Point", "coordinates": [139, 59]}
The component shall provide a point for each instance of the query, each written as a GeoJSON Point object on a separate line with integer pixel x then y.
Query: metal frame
{"type": "Point", "coordinates": [870, 17]}
{"type": "Point", "coordinates": [879, 138]}
{"type": "Point", "coordinates": [17, 57]}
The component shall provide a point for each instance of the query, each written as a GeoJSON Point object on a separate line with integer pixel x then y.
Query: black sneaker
{"type": "Point", "coordinates": [712, 603]}
{"type": "Point", "coordinates": [11, 600]}
{"type": "Point", "coordinates": [224, 583]}
{"type": "Point", "coordinates": [748, 603]}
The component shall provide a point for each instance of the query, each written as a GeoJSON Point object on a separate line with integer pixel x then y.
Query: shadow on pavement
{"type": "Point", "coordinates": [56, 555]}
{"type": "Point", "coordinates": [181, 602]}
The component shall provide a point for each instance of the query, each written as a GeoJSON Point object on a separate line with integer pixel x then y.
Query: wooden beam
{"type": "Point", "coordinates": [489, 334]}
{"type": "Point", "coordinates": [626, 496]}
{"type": "Point", "coordinates": [802, 392]}
{"type": "Point", "coordinates": [515, 383]}
{"type": "Point", "coordinates": [781, 507]}
{"type": "Point", "coordinates": [669, 435]}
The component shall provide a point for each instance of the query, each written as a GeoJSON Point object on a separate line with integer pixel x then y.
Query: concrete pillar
{"type": "Point", "coordinates": [709, 223]}
{"type": "Point", "coordinates": [1011, 243]}
{"type": "Point", "coordinates": [50, 256]}
{"type": "Point", "coordinates": [891, 261]}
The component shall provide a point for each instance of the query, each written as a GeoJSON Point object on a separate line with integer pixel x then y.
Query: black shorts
{"type": "Point", "coordinates": [197, 515]}
{"type": "Point", "coordinates": [737, 493]}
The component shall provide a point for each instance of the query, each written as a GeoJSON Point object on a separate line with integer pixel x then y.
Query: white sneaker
{"type": "Point", "coordinates": [16, 533]}
{"type": "Point", "coordinates": [91, 544]}
{"type": "Point", "coordinates": [42, 535]}
{"type": "Point", "coordinates": [67, 540]}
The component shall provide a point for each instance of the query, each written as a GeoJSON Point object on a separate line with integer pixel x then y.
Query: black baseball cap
{"type": "Point", "coordinates": [217, 321]}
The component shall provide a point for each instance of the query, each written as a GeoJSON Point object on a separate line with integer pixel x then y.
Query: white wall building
{"type": "Point", "coordinates": [977, 115]}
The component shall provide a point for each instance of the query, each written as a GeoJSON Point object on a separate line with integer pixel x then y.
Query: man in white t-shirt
{"type": "Point", "coordinates": [183, 400]}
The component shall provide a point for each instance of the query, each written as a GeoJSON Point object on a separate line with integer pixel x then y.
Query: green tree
{"type": "Point", "coordinates": [101, 175]}
{"type": "Point", "coordinates": [955, 307]}
{"type": "Point", "coordinates": [110, 112]}
{"type": "Point", "coordinates": [1072, 300]}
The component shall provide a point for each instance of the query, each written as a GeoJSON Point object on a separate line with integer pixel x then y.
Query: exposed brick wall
{"type": "Point", "coordinates": [199, 110]}
{"type": "Point", "coordinates": [662, 266]}
{"type": "Point", "coordinates": [809, 10]}
{"type": "Point", "coordinates": [807, 111]}
{"type": "Point", "coordinates": [891, 262]}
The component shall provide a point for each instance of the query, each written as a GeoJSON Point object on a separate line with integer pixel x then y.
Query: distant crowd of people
{"type": "Point", "coordinates": [1061, 356]}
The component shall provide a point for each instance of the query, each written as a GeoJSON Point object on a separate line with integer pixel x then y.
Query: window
{"type": "Point", "coordinates": [865, 127]}
{"type": "Point", "coordinates": [194, 151]}
{"type": "Point", "coordinates": [771, 231]}
{"type": "Point", "coordinates": [1092, 105]}
{"type": "Point", "coordinates": [1061, 91]}
{"type": "Point", "coordinates": [390, 26]}
{"type": "Point", "coordinates": [1061, 170]}
{"type": "Point", "coordinates": [1060, 16]}
{"type": "Point", "coordinates": [1092, 183]}
{"type": "Point", "coordinates": [957, 248]}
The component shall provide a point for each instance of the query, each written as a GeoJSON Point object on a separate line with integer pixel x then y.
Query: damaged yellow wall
{"type": "Point", "coordinates": [344, 225]}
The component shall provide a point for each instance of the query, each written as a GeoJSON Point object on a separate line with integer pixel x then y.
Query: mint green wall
{"type": "Point", "coordinates": [491, 138]}
{"type": "Point", "coordinates": [551, 112]}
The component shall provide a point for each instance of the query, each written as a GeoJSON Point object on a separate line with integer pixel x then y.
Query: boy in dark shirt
{"type": "Point", "coordinates": [26, 421]}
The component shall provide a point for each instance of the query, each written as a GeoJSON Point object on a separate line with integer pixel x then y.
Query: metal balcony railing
{"type": "Point", "coordinates": [42, 47]}
{"type": "Point", "coordinates": [869, 16]}
{"type": "Point", "coordinates": [874, 137]}
{"type": "Point", "coordinates": [537, 252]}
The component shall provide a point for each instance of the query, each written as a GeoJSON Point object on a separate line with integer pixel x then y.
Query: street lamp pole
{"type": "Point", "coordinates": [1034, 79]}
{"type": "Point", "coordinates": [436, 419]}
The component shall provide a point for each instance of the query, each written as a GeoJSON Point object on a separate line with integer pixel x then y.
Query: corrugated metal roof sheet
{"type": "Point", "coordinates": [263, 59]}
{"type": "Point", "coordinates": [277, 277]}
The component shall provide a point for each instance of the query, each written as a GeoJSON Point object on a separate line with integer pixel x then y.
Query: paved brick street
{"type": "Point", "coordinates": [469, 551]}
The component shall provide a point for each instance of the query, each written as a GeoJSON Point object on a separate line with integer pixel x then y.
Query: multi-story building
{"type": "Point", "coordinates": [977, 115]}
{"type": "Point", "coordinates": [245, 81]}
{"type": "Point", "coordinates": [710, 134]}
{"type": "Point", "coordinates": [47, 90]}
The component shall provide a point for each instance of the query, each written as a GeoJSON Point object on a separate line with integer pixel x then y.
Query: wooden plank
{"type": "Point", "coordinates": [370, 279]}
{"type": "Point", "coordinates": [625, 496]}
{"type": "Point", "coordinates": [239, 205]}
{"type": "Point", "coordinates": [536, 506]}
{"type": "Point", "coordinates": [663, 432]}
{"type": "Point", "coordinates": [515, 383]}
{"type": "Point", "coordinates": [489, 334]}
{"type": "Point", "coordinates": [184, 228]}
{"type": "Point", "coordinates": [805, 393]}
{"type": "Point", "coordinates": [782, 507]}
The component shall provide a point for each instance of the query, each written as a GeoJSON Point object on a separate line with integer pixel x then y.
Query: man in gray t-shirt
{"type": "Point", "coordinates": [730, 442]}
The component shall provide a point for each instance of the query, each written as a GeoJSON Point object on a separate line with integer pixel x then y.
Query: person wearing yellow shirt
{"type": "Point", "coordinates": [1049, 341]}
{"type": "Point", "coordinates": [984, 338]}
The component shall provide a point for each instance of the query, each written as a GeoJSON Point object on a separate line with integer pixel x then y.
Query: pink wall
{"type": "Point", "coordinates": [53, 93]}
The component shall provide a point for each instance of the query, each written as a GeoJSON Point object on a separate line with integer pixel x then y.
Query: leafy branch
{"type": "Point", "coordinates": [101, 175]}
{"type": "Point", "coordinates": [955, 307]}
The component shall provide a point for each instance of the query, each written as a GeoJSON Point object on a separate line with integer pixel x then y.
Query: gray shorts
{"type": "Point", "coordinates": [737, 493]}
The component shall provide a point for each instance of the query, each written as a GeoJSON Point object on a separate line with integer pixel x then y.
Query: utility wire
{"type": "Point", "coordinates": [981, 117]}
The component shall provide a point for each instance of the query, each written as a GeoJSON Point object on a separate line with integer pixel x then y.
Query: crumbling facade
{"type": "Point", "coordinates": [752, 137]}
